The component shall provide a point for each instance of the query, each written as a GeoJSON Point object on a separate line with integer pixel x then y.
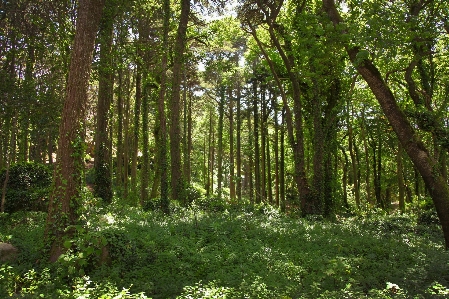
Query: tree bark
{"type": "Point", "coordinates": [401, 185]}
{"type": "Point", "coordinates": [145, 175]}
{"type": "Point", "coordinates": [65, 198]}
{"type": "Point", "coordinates": [231, 148]}
{"type": "Point", "coordinates": [220, 140]}
{"type": "Point", "coordinates": [162, 167]}
{"type": "Point", "coordinates": [257, 174]}
{"type": "Point", "coordinates": [239, 145]}
{"type": "Point", "coordinates": [175, 131]}
{"type": "Point", "coordinates": [136, 126]}
{"type": "Point", "coordinates": [102, 167]}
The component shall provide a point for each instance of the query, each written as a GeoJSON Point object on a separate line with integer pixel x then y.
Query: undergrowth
{"type": "Point", "coordinates": [232, 252]}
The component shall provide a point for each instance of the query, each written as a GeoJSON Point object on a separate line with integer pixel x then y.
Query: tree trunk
{"type": "Point", "coordinates": [68, 174]}
{"type": "Point", "coordinates": [400, 179]}
{"type": "Point", "coordinates": [103, 173]}
{"type": "Point", "coordinates": [416, 150]}
{"type": "Point", "coordinates": [175, 132]}
{"type": "Point", "coordinates": [249, 170]}
{"type": "Point", "coordinates": [135, 145]}
{"type": "Point", "coordinates": [210, 169]}
{"type": "Point", "coordinates": [345, 177]}
{"type": "Point", "coordinates": [257, 173]}
{"type": "Point", "coordinates": [231, 148]}
{"type": "Point", "coordinates": [263, 144]}
{"type": "Point", "coordinates": [276, 151]}
{"type": "Point", "coordinates": [282, 164]}
{"type": "Point", "coordinates": [145, 175]}
{"type": "Point", "coordinates": [119, 156]}
{"type": "Point", "coordinates": [162, 167]}
{"type": "Point", "coordinates": [220, 141]}
{"type": "Point", "coordinates": [366, 151]}
{"type": "Point", "coordinates": [239, 145]}
{"type": "Point", "coordinates": [127, 136]}
{"type": "Point", "coordinates": [354, 164]}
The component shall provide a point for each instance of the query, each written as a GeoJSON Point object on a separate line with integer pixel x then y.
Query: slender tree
{"type": "Point", "coordinates": [175, 102]}
{"type": "Point", "coordinates": [103, 172]}
{"type": "Point", "coordinates": [69, 169]}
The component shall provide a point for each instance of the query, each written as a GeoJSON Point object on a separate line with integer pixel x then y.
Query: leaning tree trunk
{"type": "Point", "coordinates": [416, 150]}
{"type": "Point", "coordinates": [65, 198]}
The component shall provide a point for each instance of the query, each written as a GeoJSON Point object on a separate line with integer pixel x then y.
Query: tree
{"type": "Point", "coordinates": [103, 171]}
{"type": "Point", "coordinates": [69, 169]}
{"type": "Point", "coordinates": [410, 141]}
{"type": "Point", "coordinates": [175, 100]}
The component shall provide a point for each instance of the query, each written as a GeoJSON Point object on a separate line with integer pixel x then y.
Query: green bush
{"type": "Point", "coordinates": [28, 187]}
{"type": "Point", "coordinates": [156, 204]}
{"type": "Point", "coordinates": [211, 204]}
{"type": "Point", "coordinates": [428, 217]}
{"type": "Point", "coordinates": [194, 193]}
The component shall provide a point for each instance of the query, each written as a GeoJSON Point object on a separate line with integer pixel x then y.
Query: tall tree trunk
{"type": "Point", "coordinates": [367, 159]}
{"type": "Point", "coordinates": [298, 144]}
{"type": "Point", "coordinates": [231, 148]}
{"type": "Point", "coordinates": [187, 140]}
{"type": "Point", "coordinates": [211, 145]}
{"type": "Point", "coordinates": [345, 177]}
{"type": "Point", "coordinates": [257, 174]}
{"type": "Point", "coordinates": [416, 150]}
{"type": "Point", "coordinates": [68, 174]}
{"type": "Point", "coordinates": [127, 136]}
{"type": "Point", "coordinates": [354, 164]}
{"type": "Point", "coordinates": [119, 169]}
{"type": "Point", "coordinates": [282, 164]}
{"type": "Point", "coordinates": [175, 132]}
{"type": "Point", "coordinates": [162, 167]}
{"type": "Point", "coordinates": [220, 141]}
{"type": "Point", "coordinates": [276, 151]}
{"type": "Point", "coordinates": [239, 145]}
{"type": "Point", "coordinates": [401, 185]}
{"type": "Point", "coordinates": [136, 126]}
{"type": "Point", "coordinates": [249, 170]}
{"type": "Point", "coordinates": [268, 167]}
{"type": "Point", "coordinates": [102, 167]}
{"type": "Point", "coordinates": [263, 144]}
{"type": "Point", "coordinates": [145, 175]}
{"type": "Point", "coordinates": [6, 181]}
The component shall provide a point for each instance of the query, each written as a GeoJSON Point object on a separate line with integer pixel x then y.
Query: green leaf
{"type": "Point", "coordinates": [67, 244]}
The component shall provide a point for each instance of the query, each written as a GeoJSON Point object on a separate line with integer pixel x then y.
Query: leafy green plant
{"type": "Point", "coordinates": [247, 251]}
{"type": "Point", "coordinates": [28, 187]}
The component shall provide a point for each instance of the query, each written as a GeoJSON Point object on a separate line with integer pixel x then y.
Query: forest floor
{"type": "Point", "coordinates": [227, 252]}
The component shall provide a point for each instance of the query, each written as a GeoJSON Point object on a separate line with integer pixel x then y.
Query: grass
{"type": "Point", "coordinates": [239, 252]}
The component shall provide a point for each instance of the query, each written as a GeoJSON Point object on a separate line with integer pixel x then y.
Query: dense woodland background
{"type": "Point", "coordinates": [319, 108]}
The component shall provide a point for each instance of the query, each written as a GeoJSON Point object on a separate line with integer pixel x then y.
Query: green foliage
{"type": "Point", "coordinates": [428, 217]}
{"type": "Point", "coordinates": [210, 204]}
{"type": "Point", "coordinates": [28, 187]}
{"type": "Point", "coordinates": [158, 204]}
{"type": "Point", "coordinates": [194, 192]}
{"type": "Point", "coordinates": [246, 251]}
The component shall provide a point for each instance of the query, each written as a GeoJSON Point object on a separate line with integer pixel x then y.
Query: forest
{"type": "Point", "coordinates": [224, 149]}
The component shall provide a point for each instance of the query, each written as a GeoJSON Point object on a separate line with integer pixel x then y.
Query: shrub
{"type": "Point", "coordinates": [28, 187]}
{"type": "Point", "coordinates": [194, 193]}
{"type": "Point", "coordinates": [211, 204]}
{"type": "Point", "coordinates": [428, 217]}
{"type": "Point", "coordinates": [156, 204]}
